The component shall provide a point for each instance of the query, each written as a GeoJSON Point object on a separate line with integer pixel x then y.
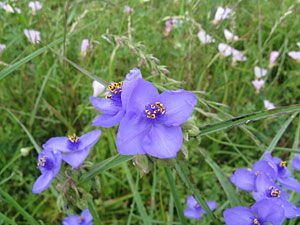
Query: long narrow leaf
{"type": "Point", "coordinates": [225, 183]}
{"type": "Point", "coordinates": [247, 119]}
{"type": "Point", "coordinates": [105, 165]}
{"type": "Point", "coordinates": [175, 195]}
{"type": "Point", "coordinates": [94, 213]}
{"type": "Point", "coordinates": [7, 220]}
{"type": "Point", "coordinates": [13, 203]}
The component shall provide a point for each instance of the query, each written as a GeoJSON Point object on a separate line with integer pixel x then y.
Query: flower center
{"type": "Point", "coordinates": [114, 89]}
{"type": "Point", "coordinates": [274, 192]}
{"type": "Point", "coordinates": [73, 138]}
{"type": "Point", "coordinates": [283, 164]}
{"type": "Point", "coordinates": [46, 163]}
{"type": "Point", "coordinates": [256, 222]}
{"type": "Point", "coordinates": [257, 173]}
{"type": "Point", "coordinates": [154, 110]}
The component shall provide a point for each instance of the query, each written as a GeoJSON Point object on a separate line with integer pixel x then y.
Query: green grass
{"type": "Point", "coordinates": [45, 89]}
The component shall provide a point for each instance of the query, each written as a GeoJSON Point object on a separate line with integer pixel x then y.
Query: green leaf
{"type": "Point", "coordinates": [182, 171]}
{"type": "Point", "coordinates": [13, 203]}
{"type": "Point", "coordinates": [105, 165]}
{"type": "Point", "coordinates": [247, 119]}
{"type": "Point", "coordinates": [7, 220]}
{"type": "Point", "coordinates": [93, 210]}
{"type": "Point", "coordinates": [225, 183]}
{"type": "Point", "coordinates": [175, 195]}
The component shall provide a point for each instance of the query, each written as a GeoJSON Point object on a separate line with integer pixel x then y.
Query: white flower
{"type": "Point", "coordinates": [35, 6]}
{"type": "Point", "coordinates": [230, 36]}
{"type": "Point", "coordinates": [260, 72]}
{"type": "Point", "coordinates": [2, 47]}
{"type": "Point", "coordinates": [238, 55]}
{"type": "Point", "coordinates": [98, 88]}
{"type": "Point", "coordinates": [298, 44]}
{"type": "Point", "coordinates": [258, 84]}
{"type": "Point", "coordinates": [205, 38]}
{"type": "Point", "coordinates": [85, 45]}
{"type": "Point", "coordinates": [33, 36]}
{"type": "Point", "coordinates": [225, 50]}
{"type": "Point", "coordinates": [273, 57]}
{"type": "Point", "coordinates": [269, 105]}
{"type": "Point", "coordinates": [295, 55]}
{"type": "Point", "coordinates": [222, 14]}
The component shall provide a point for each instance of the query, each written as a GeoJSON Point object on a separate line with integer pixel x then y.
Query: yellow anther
{"type": "Point", "coordinates": [275, 193]}
{"type": "Point", "coordinates": [283, 164]}
{"type": "Point", "coordinates": [256, 222]}
{"type": "Point", "coordinates": [42, 161]}
{"type": "Point", "coordinates": [257, 173]}
{"type": "Point", "coordinates": [73, 138]}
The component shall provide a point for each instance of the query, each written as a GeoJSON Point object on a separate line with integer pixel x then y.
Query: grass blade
{"type": "Point", "coordinates": [36, 146]}
{"type": "Point", "coordinates": [175, 195]}
{"type": "Point", "coordinates": [225, 183]}
{"type": "Point", "coordinates": [105, 165]}
{"type": "Point", "coordinates": [13, 203]}
{"type": "Point", "coordinates": [136, 196]}
{"type": "Point", "coordinates": [182, 172]}
{"type": "Point", "coordinates": [248, 118]}
{"type": "Point", "coordinates": [94, 213]}
{"type": "Point", "coordinates": [5, 219]}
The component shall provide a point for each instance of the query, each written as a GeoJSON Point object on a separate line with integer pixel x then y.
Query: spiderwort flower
{"type": "Point", "coordinates": [74, 149]}
{"type": "Point", "coordinates": [152, 121]}
{"type": "Point", "coordinates": [113, 106]}
{"type": "Point", "coordinates": [247, 179]}
{"type": "Point", "coordinates": [261, 213]}
{"type": "Point", "coordinates": [294, 55]}
{"type": "Point", "coordinates": [49, 162]}
{"type": "Point", "coordinates": [285, 177]}
{"type": "Point", "coordinates": [222, 14]}
{"type": "Point", "coordinates": [296, 162]}
{"type": "Point", "coordinates": [258, 84]}
{"type": "Point", "coordinates": [268, 189]}
{"type": "Point", "coordinates": [273, 57]}
{"type": "Point", "coordinates": [84, 219]}
{"type": "Point", "coordinates": [194, 210]}
{"type": "Point", "coordinates": [97, 88]}
{"type": "Point", "coordinates": [225, 50]}
{"type": "Point", "coordinates": [260, 72]}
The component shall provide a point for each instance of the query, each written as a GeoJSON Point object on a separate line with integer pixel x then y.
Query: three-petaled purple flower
{"type": "Point", "coordinates": [84, 219]}
{"type": "Point", "coordinates": [74, 149]}
{"type": "Point", "coordinates": [194, 210]}
{"type": "Point", "coordinates": [113, 106]}
{"type": "Point", "coordinates": [261, 213]}
{"type": "Point", "coordinates": [268, 189]}
{"type": "Point", "coordinates": [152, 121]}
{"type": "Point", "coordinates": [296, 162]}
{"type": "Point", "coordinates": [49, 162]}
{"type": "Point", "coordinates": [247, 179]}
{"type": "Point", "coordinates": [285, 177]}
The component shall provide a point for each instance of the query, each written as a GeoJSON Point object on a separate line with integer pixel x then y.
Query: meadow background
{"type": "Point", "coordinates": [45, 89]}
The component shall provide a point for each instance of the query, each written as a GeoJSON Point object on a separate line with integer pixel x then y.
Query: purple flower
{"type": "Point", "coordinates": [152, 121]}
{"type": "Point", "coordinates": [261, 213]}
{"type": "Point", "coordinates": [268, 189]}
{"type": "Point", "coordinates": [285, 177]}
{"type": "Point", "coordinates": [49, 163]}
{"type": "Point", "coordinates": [296, 162]}
{"type": "Point", "coordinates": [114, 105]}
{"type": "Point", "coordinates": [247, 179]}
{"type": "Point", "coordinates": [84, 219]}
{"type": "Point", "coordinates": [194, 210]}
{"type": "Point", "coordinates": [74, 149]}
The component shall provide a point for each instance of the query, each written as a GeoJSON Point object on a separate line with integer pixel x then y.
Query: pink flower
{"type": "Point", "coordinates": [2, 47]}
{"type": "Point", "coordinates": [260, 72]}
{"type": "Point", "coordinates": [85, 45]}
{"type": "Point", "coordinates": [35, 6]}
{"type": "Point", "coordinates": [238, 55]}
{"type": "Point", "coordinates": [294, 55]}
{"type": "Point", "coordinates": [258, 84]}
{"type": "Point", "coordinates": [273, 57]}
{"type": "Point", "coordinates": [205, 38]}
{"type": "Point", "coordinates": [128, 9]}
{"type": "Point", "coordinates": [229, 36]}
{"type": "Point", "coordinates": [269, 105]}
{"type": "Point", "coordinates": [8, 8]}
{"type": "Point", "coordinates": [225, 50]}
{"type": "Point", "coordinates": [222, 14]}
{"type": "Point", "coordinates": [170, 24]}
{"type": "Point", "coordinates": [298, 44]}
{"type": "Point", "coordinates": [33, 36]}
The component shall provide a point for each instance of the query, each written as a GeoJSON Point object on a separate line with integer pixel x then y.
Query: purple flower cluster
{"type": "Point", "coordinates": [268, 180]}
{"type": "Point", "coordinates": [149, 122]}
{"type": "Point", "coordinates": [194, 210]}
